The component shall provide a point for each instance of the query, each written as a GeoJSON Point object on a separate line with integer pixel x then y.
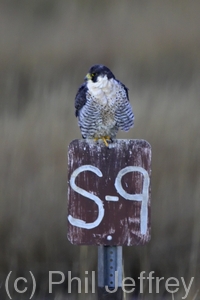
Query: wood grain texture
{"type": "Point", "coordinates": [121, 221]}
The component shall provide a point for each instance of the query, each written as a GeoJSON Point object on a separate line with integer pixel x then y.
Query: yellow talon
{"type": "Point", "coordinates": [104, 139]}
{"type": "Point", "coordinates": [107, 137]}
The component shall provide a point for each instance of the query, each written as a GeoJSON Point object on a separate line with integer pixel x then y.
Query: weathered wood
{"type": "Point", "coordinates": [109, 192]}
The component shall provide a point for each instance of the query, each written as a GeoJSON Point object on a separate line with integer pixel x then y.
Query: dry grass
{"type": "Point", "coordinates": [45, 50]}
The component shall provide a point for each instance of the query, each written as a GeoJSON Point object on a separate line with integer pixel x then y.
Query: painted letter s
{"type": "Point", "coordinates": [78, 222]}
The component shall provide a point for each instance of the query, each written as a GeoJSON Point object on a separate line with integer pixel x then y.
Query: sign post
{"type": "Point", "coordinates": [110, 271]}
{"type": "Point", "coordinates": [109, 201]}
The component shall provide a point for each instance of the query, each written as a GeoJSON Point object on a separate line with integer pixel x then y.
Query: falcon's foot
{"type": "Point", "coordinates": [104, 139]}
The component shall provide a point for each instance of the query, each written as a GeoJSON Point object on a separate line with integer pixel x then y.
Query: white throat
{"type": "Point", "coordinates": [102, 88]}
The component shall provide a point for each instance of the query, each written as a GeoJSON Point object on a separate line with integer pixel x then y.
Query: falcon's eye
{"type": "Point", "coordinates": [93, 74]}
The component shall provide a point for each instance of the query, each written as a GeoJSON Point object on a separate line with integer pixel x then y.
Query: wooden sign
{"type": "Point", "coordinates": [109, 192]}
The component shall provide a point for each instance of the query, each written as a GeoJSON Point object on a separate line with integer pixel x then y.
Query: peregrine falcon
{"type": "Point", "coordinates": [102, 105]}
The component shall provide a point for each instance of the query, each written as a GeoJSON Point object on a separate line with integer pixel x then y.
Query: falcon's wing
{"type": "Point", "coordinates": [125, 88]}
{"type": "Point", "coordinates": [80, 98]}
{"type": "Point", "coordinates": [124, 115]}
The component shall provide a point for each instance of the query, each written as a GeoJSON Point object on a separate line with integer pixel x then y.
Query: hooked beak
{"type": "Point", "coordinates": [88, 77]}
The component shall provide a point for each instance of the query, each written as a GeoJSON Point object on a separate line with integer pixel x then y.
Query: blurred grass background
{"type": "Point", "coordinates": [46, 48]}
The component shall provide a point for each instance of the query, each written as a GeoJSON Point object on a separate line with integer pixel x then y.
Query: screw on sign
{"type": "Point", "coordinates": [109, 192]}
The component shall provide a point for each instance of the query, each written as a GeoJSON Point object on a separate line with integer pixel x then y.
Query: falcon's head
{"type": "Point", "coordinates": [97, 72]}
